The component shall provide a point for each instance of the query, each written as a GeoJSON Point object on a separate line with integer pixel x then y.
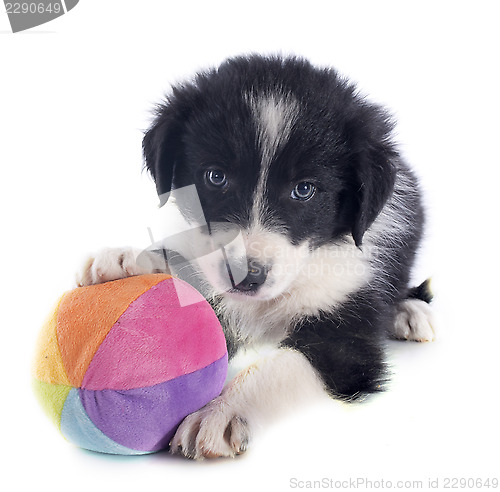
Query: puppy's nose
{"type": "Point", "coordinates": [256, 276]}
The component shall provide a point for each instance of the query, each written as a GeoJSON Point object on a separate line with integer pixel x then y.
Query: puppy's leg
{"type": "Point", "coordinates": [347, 345]}
{"type": "Point", "coordinates": [115, 263]}
{"type": "Point", "coordinates": [414, 321]}
{"type": "Point", "coordinates": [225, 425]}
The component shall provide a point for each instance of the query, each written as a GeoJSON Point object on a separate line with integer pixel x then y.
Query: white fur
{"type": "Point", "coordinates": [115, 263]}
{"type": "Point", "coordinates": [320, 280]}
{"type": "Point", "coordinates": [262, 390]}
{"type": "Point", "coordinates": [389, 227]}
{"type": "Point", "coordinates": [274, 115]}
{"type": "Point", "coordinates": [212, 267]}
{"type": "Point", "coordinates": [414, 321]}
{"type": "Point", "coordinates": [390, 223]}
{"type": "Point", "coordinates": [273, 250]}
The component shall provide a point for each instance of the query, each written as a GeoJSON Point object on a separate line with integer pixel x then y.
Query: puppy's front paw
{"type": "Point", "coordinates": [414, 321]}
{"type": "Point", "coordinates": [113, 264]}
{"type": "Point", "coordinates": [212, 432]}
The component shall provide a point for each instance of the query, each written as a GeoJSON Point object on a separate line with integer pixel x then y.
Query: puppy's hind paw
{"type": "Point", "coordinates": [414, 321]}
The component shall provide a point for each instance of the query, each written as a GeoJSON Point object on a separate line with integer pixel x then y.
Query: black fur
{"type": "Point", "coordinates": [422, 292]}
{"type": "Point", "coordinates": [346, 346]}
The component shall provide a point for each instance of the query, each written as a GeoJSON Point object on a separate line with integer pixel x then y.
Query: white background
{"type": "Point", "coordinates": [75, 96]}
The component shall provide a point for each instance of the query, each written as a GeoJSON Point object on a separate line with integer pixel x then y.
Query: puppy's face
{"type": "Point", "coordinates": [279, 156]}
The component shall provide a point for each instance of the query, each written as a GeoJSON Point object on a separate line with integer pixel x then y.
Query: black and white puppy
{"type": "Point", "coordinates": [330, 218]}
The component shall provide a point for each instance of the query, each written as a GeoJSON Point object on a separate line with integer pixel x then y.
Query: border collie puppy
{"type": "Point", "coordinates": [330, 219]}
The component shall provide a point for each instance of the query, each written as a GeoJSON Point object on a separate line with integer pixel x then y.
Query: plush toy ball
{"type": "Point", "coordinates": [120, 364]}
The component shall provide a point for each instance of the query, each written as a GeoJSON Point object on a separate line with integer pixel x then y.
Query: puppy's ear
{"type": "Point", "coordinates": [375, 174]}
{"type": "Point", "coordinates": [162, 143]}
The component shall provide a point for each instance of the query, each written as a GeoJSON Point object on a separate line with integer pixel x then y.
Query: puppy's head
{"type": "Point", "coordinates": [288, 154]}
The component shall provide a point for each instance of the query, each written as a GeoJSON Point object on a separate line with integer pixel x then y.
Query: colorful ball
{"type": "Point", "coordinates": [120, 364]}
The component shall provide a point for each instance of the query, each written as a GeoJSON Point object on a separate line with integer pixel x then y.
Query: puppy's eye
{"type": "Point", "coordinates": [303, 191]}
{"type": "Point", "coordinates": [216, 178]}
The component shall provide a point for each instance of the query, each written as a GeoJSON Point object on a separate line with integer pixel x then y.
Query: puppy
{"type": "Point", "coordinates": [324, 218]}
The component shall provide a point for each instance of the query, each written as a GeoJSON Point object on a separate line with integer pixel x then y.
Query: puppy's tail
{"type": "Point", "coordinates": [422, 292]}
